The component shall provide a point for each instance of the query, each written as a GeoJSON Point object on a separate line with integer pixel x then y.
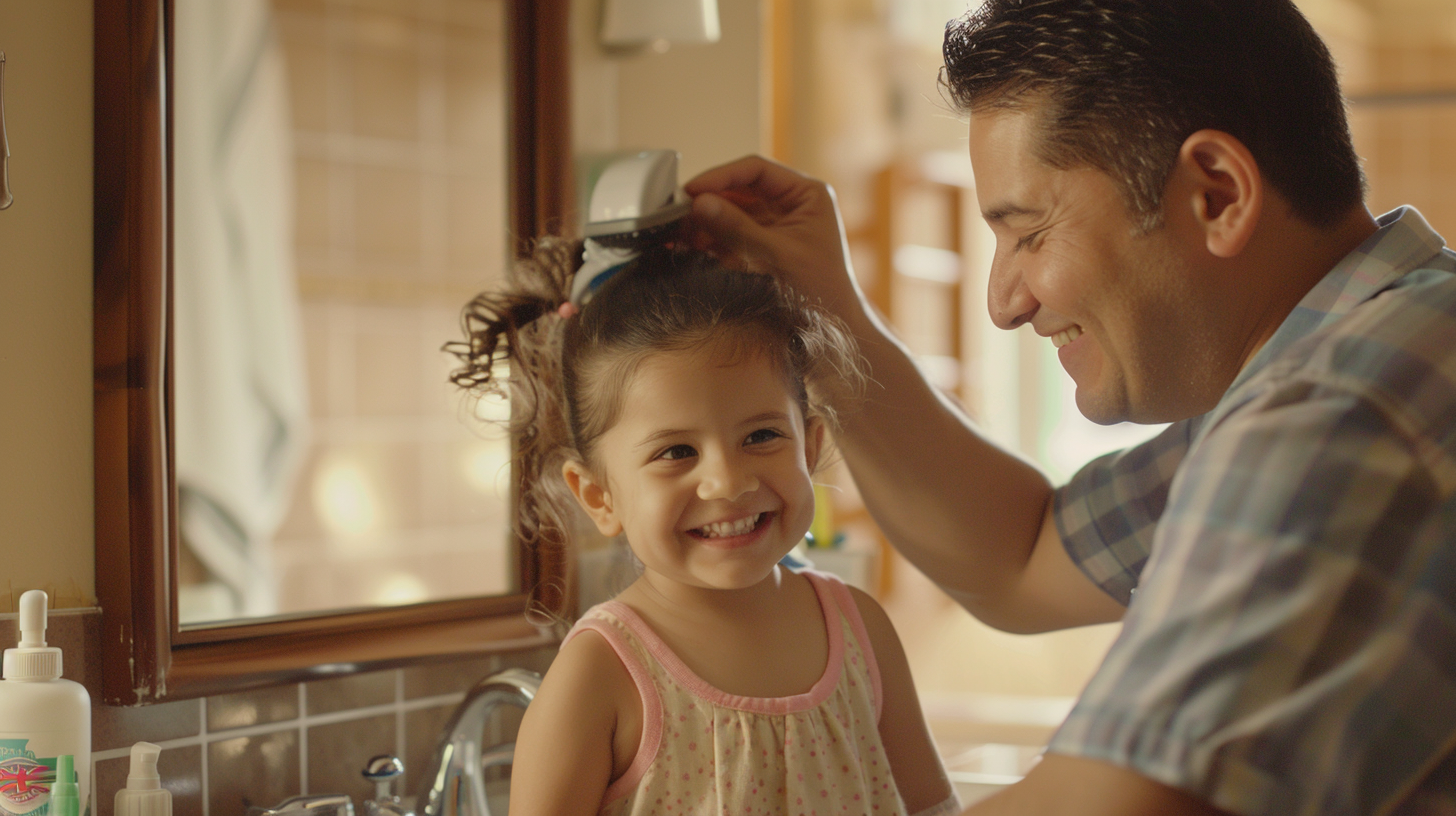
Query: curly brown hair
{"type": "Point", "coordinates": [565, 377]}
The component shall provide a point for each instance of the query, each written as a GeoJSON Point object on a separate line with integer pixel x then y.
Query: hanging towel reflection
{"type": "Point", "coordinates": [240, 389]}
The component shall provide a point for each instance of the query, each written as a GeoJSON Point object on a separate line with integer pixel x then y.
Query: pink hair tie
{"type": "Point", "coordinates": [567, 310]}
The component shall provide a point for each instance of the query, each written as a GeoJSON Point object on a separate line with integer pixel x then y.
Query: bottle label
{"type": "Point", "coordinates": [25, 780]}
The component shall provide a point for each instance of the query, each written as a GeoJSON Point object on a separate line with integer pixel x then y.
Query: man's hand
{"type": "Point", "coordinates": [1072, 786]}
{"type": "Point", "coordinates": [776, 220]}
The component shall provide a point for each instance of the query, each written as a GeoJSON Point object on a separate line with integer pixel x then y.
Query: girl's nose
{"type": "Point", "coordinates": [725, 480]}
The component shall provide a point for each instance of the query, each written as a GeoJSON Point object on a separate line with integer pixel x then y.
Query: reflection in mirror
{"type": "Point", "coordinates": [340, 190]}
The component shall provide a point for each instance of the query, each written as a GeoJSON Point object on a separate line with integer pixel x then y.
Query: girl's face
{"type": "Point", "coordinates": [707, 470]}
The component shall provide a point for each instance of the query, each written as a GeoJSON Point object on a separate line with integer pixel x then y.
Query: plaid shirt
{"type": "Point", "coordinates": [1291, 646]}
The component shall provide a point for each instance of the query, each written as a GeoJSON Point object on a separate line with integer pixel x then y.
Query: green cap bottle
{"type": "Point", "coordinates": [65, 793]}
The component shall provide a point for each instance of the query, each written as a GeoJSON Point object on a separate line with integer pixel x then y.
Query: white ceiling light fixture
{"type": "Point", "coordinates": [659, 22]}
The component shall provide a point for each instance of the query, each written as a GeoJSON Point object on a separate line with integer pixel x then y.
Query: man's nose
{"type": "Point", "coordinates": [725, 477]}
{"type": "Point", "coordinates": [1007, 298]}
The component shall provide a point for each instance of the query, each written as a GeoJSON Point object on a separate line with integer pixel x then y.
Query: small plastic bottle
{"type": "Point", "coordinates": [42, 717]}
{"type": "Point", "coordinates": [65, 793]}
{"type": "Point", "coordinates": [144, 794]}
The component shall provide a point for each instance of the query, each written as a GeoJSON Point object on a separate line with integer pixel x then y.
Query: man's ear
{"type": "Point", "coordinates": [813, 441]}
{"type": "Point", "coordinates": [1224, 187]}
{"type": "Point", "coordinates": [592, 496]}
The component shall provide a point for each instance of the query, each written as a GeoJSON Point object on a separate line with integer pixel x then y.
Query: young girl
{"type": "Point", "coordinates": [685, 406]}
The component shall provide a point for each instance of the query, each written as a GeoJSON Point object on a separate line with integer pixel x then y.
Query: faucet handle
{"type": "Point", "coordinates": [382, 770]}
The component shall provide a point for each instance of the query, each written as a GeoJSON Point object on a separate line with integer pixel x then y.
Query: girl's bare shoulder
{"type": "Point", "coordinates": [589, 670]}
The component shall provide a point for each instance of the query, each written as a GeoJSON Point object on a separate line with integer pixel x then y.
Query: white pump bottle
{"type": "Point", "coordinates": [42, 717]}
{"type": "Point", "coordinates": [143, 794]}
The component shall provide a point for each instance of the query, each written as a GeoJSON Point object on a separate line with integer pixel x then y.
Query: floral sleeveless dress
{"type": "Point", "coordinates": [704, 751]}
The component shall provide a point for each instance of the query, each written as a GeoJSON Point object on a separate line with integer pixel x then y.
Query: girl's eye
{"type": "Point", "coordinates": [677, 452]}
{"type": "Point", "coordinates": [1027, 240]}
{"type": "Point", "coordinates": [761, 436]}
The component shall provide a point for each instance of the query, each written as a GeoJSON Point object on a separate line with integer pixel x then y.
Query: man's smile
{"type": "Point", "coordinates": [1066, 335]}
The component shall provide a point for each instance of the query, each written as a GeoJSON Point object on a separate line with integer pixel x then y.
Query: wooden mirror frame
{"type": "Point", "coordinates": [146, 655]}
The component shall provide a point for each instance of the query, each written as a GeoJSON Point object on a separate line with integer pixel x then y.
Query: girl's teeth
{"type": "Point", "coordinates": [1062, 338]}
{"type": "Point", "coordinates": [724, 529]}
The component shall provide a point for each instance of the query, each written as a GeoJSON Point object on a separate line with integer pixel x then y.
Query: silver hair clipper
{"type": "Point", "coordinates": [635, 202]}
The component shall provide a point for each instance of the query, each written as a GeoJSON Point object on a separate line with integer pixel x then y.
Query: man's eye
{"type": "Point", "coordinates": [1028, 240]}
{"type": "Point", "coordinates": [678, 452]}
{"type": "Point", "coordinates": [761, 436]}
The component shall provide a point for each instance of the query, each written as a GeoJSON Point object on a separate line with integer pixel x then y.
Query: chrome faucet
{"type": "Point", "coordinates": [454, 779]}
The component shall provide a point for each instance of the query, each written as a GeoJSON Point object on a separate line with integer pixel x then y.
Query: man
{"type": "Point", "coordinates": [1177, 206]}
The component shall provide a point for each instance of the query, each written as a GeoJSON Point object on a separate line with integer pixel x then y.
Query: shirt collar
{"type": "Point", "coordinates": [1403, 242]}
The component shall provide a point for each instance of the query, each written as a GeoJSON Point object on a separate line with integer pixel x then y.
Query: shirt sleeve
{"type": "Point", "coordinates": [1292, 647]}
{"type": "Point", "coordinates": [1109, 510]}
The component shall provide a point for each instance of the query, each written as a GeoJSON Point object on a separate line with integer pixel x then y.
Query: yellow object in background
{"type": "Point", "coordinates": [821, 530]}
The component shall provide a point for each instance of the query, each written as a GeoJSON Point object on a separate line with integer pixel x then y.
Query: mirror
{"type": "Point", "coordinates": [352, 223]}
{"type": "Point", "coordinates": [339, 179]}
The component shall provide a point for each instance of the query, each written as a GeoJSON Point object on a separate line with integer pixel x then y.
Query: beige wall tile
{"type": "Point", "coordinates": [447, 678]}
{"type": "Point", "coordinates": [388, 365]}
{"type": "Point", "coordinates": [312, 222]}
{"type": "Point", "coordinates": [477, 229]}
{"type": "Point", "coordinates": [259, 770]}
{"type": "Point", "coordinates": [462, 478]}
{"type": "Point", "coordinates": [354, 691]}
{"type": "Point", "coordinates": [338, 752]}
{"type": "Point", "coordinates": [385, 77]}
{"type": "Point", "coordinates": [303, 30]}
{"type": "Point", "coordinates": [121, 727]}
{"type": "Point", "coordinates": [256, 707]}
{"type": "Point", "coordinates": [387, 217]}
{"type": "Point", "coordinates": [475, 94]}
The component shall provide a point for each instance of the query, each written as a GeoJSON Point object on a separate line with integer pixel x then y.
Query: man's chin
{"type": "Point", "coordinates": [1104, 409]}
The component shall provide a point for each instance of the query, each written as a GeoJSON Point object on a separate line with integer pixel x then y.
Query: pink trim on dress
{"type": "Point", "coordinates": [850, 610]}
{"type": "Point", "coordinates": [762, 705]}
{"type": "Point", "coordinates": [651, 706]}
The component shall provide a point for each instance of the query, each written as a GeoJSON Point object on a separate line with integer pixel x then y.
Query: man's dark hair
{"type": "Point", "coordinates": [1120, 84]}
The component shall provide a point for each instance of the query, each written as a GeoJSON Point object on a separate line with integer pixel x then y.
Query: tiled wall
{"type": "Point", "coordinates": [226, 753]}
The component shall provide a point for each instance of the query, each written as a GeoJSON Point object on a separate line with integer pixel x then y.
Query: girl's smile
{"type": "Point", "coordinates": [730, 534]}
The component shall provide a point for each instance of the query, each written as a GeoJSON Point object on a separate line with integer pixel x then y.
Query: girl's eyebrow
{"type": "Point", "coordinates": [657, 436]}
{"type": "Point", "coordinates": [766, 416]}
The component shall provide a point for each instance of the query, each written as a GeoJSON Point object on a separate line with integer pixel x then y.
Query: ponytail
{"type": "Point", "coordinates": [518, 328]}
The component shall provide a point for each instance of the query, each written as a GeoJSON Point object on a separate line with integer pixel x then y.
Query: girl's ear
{"type": "Point", "coordinates": [592, 496]}
{"type": "Point", "coordinates": [813, 441]}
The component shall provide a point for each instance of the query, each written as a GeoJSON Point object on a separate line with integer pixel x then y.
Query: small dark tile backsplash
{"type": "Point", "coordinates": [224, 754]}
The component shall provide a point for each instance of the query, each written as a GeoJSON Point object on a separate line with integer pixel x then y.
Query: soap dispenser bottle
{"type": "Point", "coordinates": [144, 794]}
{"type": "Point", "coordinates": [42, 718]}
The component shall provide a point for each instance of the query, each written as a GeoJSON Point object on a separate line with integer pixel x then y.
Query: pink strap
{"type": "Point", "coordinates": [700, 688]}
{"type": "Point", "coordinates": [651, 705]}
{"type": "Point", "coordinates": [850, 610]}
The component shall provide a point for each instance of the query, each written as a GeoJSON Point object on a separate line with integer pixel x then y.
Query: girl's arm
{"type": "Point", "coordinates": [564, 760]}
{"type": "Point", "coordinates": [919, 773]}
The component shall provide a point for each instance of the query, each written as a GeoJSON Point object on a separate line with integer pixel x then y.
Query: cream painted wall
{"type": "Point", "coordinates": [702, 100]}
{"type": "Point", "coordinates": [46, 496]}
